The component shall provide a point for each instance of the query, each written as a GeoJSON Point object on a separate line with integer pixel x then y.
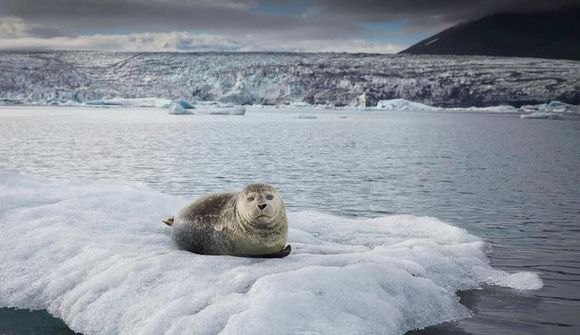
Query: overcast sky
{"type": "Point", "coordinates": [381, 26]}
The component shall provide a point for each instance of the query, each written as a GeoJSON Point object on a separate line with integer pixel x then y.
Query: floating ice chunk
{"type": "Point", "coordinates": [491, 109]}
{"type": "Point", "coordinates": [177, 109]}
{"type": "Point", "coordinates": [402, 104]}
{"type": "Point", "coordinates": [551, 107]}
{"type": "Point", "coordinates": [131, 102]}
{"type": "Point", "coordinates": [183, 104]}
{"type": "Point", "coordinates": [519, 281]}
{"type": "Point", "coordinates": [97, 256]}
{"type": "Point", "coordinates": [306, 117]}
{"type": "Point", "coordinates": [222, 110]}
{"type": "Point", "coordinates": [181, 107]}
{"type": "Point", "coordinates": [542, 115]}
{"type": "Point", "coordinates": [300, 104]}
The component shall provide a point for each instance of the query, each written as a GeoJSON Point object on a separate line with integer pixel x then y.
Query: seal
{"type": "Point", "coordinates": [250, 223]}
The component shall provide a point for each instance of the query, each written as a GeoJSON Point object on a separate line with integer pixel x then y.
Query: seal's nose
{"type": "Point", "coordinates": [262, 206]}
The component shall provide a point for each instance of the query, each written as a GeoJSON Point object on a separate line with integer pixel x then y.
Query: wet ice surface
{"type": "Point", "coordinates": [97, 256]}
{"type": "Point", "coordinates": [506, 180]}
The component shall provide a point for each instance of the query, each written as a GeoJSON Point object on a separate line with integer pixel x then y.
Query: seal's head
{"type": "Point", "coordinates": [260, 205]}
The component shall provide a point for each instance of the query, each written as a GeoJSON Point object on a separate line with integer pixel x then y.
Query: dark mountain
{"type": "Point", "coordinates": [554, 34]}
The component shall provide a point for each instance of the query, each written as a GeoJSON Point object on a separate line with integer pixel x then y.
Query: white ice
{"type": "Point", "coordinates": [222, 110]}
{"type": "Point", "coordinates": [131, 102]}
{"type": "Point", "coordinates": [181, 107]}
{"type": "Point", "coordinates": [542, 115]}
{"type": "Point", "coordinates": [97, 255]}
{"type": "Point", "coordinates": [490, 109]}
{"type": "Point", "coordinates": [402, 104]}
{"type": "Point", "coordinates": [300, 104]}
{"type": "Point", "coordinates": [284, 78]}
{"type": "Point", "coordinates": [306, 116]}
{"type": "Point", "coordinates": [552, 110]}
{"type": "Point", "coordinates": [406, 105]}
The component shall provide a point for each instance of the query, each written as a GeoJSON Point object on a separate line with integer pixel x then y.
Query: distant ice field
{"type": "Point", "coordinates": [55, 77]}
{"type": "Point", "coordinates": [399, 220]}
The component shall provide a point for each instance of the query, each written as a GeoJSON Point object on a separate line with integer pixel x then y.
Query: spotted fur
{"type": "Point", "coordinates": [220, 224]}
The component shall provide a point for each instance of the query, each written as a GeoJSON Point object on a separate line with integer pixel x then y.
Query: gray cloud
{"type": "Point", "coordinates": [317, 25]}
{"type": "Point", "coordinates": [109, 16]}
{"type": "Point", "coordinates": [184, 41]}
{"type": "Point", "coordinates": [434, 13]}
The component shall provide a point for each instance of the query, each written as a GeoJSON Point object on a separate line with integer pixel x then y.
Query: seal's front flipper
{"type": "Point", "coordinates": [280, 254]}
{"type": "Point", "coordinates": [169, 221]}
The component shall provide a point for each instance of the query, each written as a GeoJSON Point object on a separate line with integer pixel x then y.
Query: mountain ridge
{"type": "Point", "coordinates": [551, 35]}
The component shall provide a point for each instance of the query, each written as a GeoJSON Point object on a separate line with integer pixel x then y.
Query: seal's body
{"type": "Point", "coordinates": [248, 223]}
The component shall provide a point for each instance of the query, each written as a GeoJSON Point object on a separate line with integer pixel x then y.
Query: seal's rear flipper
{"type": "Point", "coordinates": [281, 254]}
{"type": "Point", "coordinates": [169, 221]}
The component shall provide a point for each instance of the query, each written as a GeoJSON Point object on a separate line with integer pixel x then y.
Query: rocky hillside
{"type": "Point", "coordinates": [553, 35]}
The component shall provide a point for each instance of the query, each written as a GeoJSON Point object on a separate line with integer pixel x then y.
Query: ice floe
{"type": "Point", "coordinates": [552, 110]}
{"type": "Point", "coordinates": [402, 104]}
{"type": "Point", "coordinates": [222, 110]}
{"type": "Point", "coordinates": [131, 102]}
{"type": "Point", "coordinates": [542, 115]}
{"type": "Point", "coordinates": [97, 256]}
{"type": "Point", "coordinates": [490, 109]}
{"type": "Point", "coordinates": [406, 105]}
{"type": "Point", "coordinates": [306, 117]}
{"type": "Point", "coordinates": [181, 107]}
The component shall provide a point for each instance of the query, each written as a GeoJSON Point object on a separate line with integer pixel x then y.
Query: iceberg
{"type": "Point", "coordinates": [96, 255]}
{"type": "Point", "coordinates": [542, 115]}
{"type": "Point", "coordinates": [222, 110]}
{"type": "Point", "coordinates": [178, 110]}
{"type": "Point", "coordinates": [402, 104]}
{"type": "Point", "coordinates": [551, 107]}
{"type": "Point", "coordinates": [131, 102]}
{"type": "Point", "coordinates": [300, 104]}
{"type": "Point", "coordinates": [181, 107]}
{"type": "Point", "coordinates": [306, 117]}
{"type": "Point", "coordinates": [183, 104]}
{"type": "Point", "coordinates": [491, 109]}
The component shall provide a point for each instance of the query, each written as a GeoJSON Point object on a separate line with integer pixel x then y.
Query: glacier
{"type": "Point", "coordinates": [96, 255]}
{"type": "Point", "coordinates": [301, 79]}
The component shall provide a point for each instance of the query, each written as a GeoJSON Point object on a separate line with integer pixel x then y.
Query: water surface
{"type": "Point", "coordinates": [513, 182]}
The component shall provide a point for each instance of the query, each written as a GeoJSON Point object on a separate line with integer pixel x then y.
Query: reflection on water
{"type": "Point", "coordinates": [513, 182]}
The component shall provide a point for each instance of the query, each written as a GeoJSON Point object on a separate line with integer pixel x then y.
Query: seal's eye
{"type": "Point", "coordinates": [251, 199]}
{"type": "Point", "coordinates": [269, 197]}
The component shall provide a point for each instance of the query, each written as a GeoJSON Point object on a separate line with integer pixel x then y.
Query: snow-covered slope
{"type": "Point", "coordinates": [97, 256]}
{"type": "Point", "coordinates": [276, 78]}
